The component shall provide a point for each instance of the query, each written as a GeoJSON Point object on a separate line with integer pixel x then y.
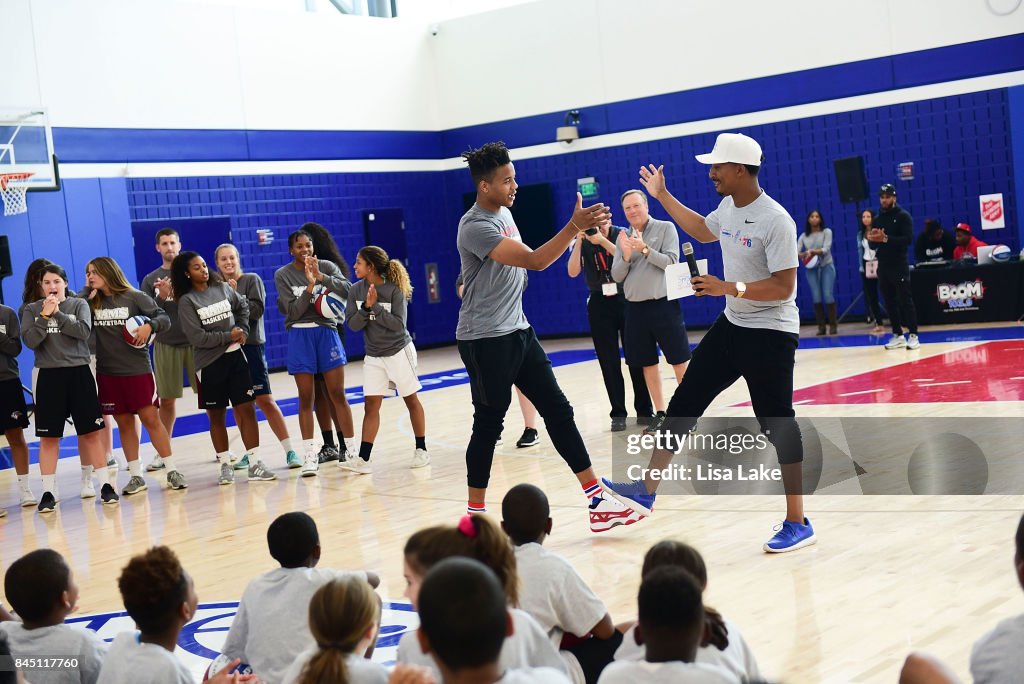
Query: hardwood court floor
{"type": "Point", "coordinates": [890, 574]}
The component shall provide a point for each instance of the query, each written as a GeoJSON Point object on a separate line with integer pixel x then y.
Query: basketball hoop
{"type": "Point", "coordinates": [13, 188]}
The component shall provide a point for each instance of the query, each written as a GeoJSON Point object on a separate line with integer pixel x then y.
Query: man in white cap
{"type": "Point", "coordinates": [756, 337]}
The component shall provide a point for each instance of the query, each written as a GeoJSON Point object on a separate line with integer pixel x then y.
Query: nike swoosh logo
{"type": "Point", "coordinates": [746, 221]}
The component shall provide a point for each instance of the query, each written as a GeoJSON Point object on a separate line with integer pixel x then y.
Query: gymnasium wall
{"type": "Point", "coordinates": [170, 110]}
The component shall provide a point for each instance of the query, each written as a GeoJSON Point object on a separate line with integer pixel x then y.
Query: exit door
{"type": "Point", "coordinates": [385, 228]}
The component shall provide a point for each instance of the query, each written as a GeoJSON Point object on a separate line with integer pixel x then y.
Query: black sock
{"type": "Point", "coordinates": [364, 450]}
{"type": "Point", "coordinates": [421, 443]}
{"type": "Point", "coordinates": [328, 436]}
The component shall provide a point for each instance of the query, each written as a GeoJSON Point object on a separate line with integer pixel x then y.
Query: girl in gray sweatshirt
{"type": "Point", "coordinates": [377, 305]}
{"type": "Point", "coordinates": [124, 374]}
{"type": "Point", "coordinates": [57, 329]}
{"type": "Point", "coordinates": [215, 320]}
{"type": "Point", "coordinates": [314, 346]}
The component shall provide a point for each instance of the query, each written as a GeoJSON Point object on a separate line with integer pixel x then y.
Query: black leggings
{"type": "Point", "coordinates": [899, 302]}
{"type": "Point", "coordinates": [494, 365]}
{"type": "Point", "coordinates": [764, 359]}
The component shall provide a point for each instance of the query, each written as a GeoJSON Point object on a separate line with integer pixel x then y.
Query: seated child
{"type": "Point", "coordinates": [552, 592]}
{"type": "Point", "coordinates": [272, 623]}
{"type": "Point", "coordinates": [42, 591]}
{"type": "Point", "coordinates": [998, 656]}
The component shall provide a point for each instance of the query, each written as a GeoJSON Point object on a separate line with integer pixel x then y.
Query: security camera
{"type": "Point", "coordinates": [434, 28]}
{"type": "Point", "coordinates": [567, 134]}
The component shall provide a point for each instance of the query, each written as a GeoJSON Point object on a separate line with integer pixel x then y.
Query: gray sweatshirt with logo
{"type": "Point", "coordinates": [173, 336]}
{"type": "Point", "coordinates": [207, 318]}
{"type": "Point", "coordinates": [62, 341]}
{"type": "Point", "coordinates": [383, 327]}
{"type": "Point", "coordinates": [10, 344]}
{"type": "Point", "coordinates": [114, 356]}
{"type": "Point", "coordinates": [296, 304]}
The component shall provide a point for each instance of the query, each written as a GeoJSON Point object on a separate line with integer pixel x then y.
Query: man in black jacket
{"type": "Point", "coordinates": [891, 235]}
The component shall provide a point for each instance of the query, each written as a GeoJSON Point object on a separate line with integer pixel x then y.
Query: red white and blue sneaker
{"type": "Point", "coordinates": [790, 536]}
{"type": "Point", "coordinates": [633, 494]}
{"type": "Point", "coordinates": [607, 512]}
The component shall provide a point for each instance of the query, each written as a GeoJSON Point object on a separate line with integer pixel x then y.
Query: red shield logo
{"type": "Point", "coordinates": [992, 210]}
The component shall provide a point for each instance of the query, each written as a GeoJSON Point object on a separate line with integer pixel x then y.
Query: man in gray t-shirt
{"type": "Point", "coordinates": [496, 341]}
{"type": "Point", "coordinates": [756, 338]}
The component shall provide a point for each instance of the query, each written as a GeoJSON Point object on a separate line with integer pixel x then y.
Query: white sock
{"type": "Point", "coordinates": [49, 484]}
{"type": "Point", "coordinates": [103, 475]}
{"type": "Point", "coordinates": [86, 473]}
{"type": "Point", "coordinates": [286, 444]}
{"type": "Point", "coordinates": [169, 462]}
{"type": "Point", "coordinates": [224, 457]}
{"type": "Point", "coordinates": [110, 456]}
{"type": "Point", "coordinates": [309, 445]}
{"type": "Point", "coordinates": [253, 455]}
{"type": "Point", "coordinates": [23, 481]}
{"type": "Point", "coordinates": [135, 468]}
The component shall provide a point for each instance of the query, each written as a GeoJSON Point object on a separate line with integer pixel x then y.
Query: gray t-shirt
{"type": "Point", "coordinates": [114, 356]}
{"type": "Point", "coordinates": [10, 344]}
{"type": "Point", "coordinates": [270, 645]}
{"type": "Point", "coordinates": [359, 670]}
{"type": "Point", "coordinates": [57, 640]}
{"type": "Point", "coordinates": [492, 295]}
{"type": "Point", "coordinates": [296, 304]}
{"type": "Point", "coordinates": [130, 661]}
{"type": "Point", "coordinates": [822, 240]}
{"type": "Point", "coordinates": [173, 336]}
{"type": "Point", "coordinates": [207, 318]}
{"type": "Point", "coordinates": [757, 240]}
{"type": "Point", "coordinates": [998, 656]}
{"type": "Point", "coordinates": [386, 335]}
{"type": "Point", "coordinates": [643, 278]}
{"type": "Point", "coordinates": [251, 287]}
{"type": "Point", "coordinates": [62, 341]}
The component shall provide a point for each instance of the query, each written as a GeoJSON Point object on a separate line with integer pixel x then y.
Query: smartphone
{"type": "Point", "coordinates": [590, 231]}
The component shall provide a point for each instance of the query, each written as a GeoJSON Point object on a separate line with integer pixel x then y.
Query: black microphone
{"type": "Point", "coordinates": [690, 261]}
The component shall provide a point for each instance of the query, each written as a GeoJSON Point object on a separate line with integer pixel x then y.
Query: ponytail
{"type": "Point", "coordinates": [399, 277]}
{"type": "Point", "coordinates": [340, 613]}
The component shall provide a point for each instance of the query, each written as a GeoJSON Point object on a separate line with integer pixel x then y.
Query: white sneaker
{"type": "Point", "coordinates": [607, 512]}
{"type": "Point", "coordinates": [420, 458]}
{"type": "Point", "coordinates": [352, 444]}
{"type": "Point", "coordinates": [88, 489]}
{"type": "Point", "coordinates": [896, 342]}
{"type": "Point", "coordinates": [310, 465]}
{"type": "Point", "coordinates": [357, 465]}
{"type": "Point", "coordinates": [156, 464]}
{"type": "Point", "coordinates": [28, 498]}
{"type": "Point", "coordinates": [913, 342]}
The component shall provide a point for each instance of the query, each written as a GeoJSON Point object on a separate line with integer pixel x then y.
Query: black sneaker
{"type": "Point", "coordinates": [656, 423]}
{"type": "Point", "coordinates": [47, 503]}
{"type": "Point", "coordinates": [529, 438]}
{"type": "Point", "coordinates": [108, 496]}
{"type": "Point", "coordinates": [618, 423]}
{"type": "Point", "coordinates": [328, 453]}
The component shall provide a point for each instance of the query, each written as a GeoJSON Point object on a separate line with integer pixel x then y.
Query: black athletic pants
{"type": "Point", "coordinates": [607, 317]}
{"type": "Point", "coordinates": [494, 365]}
{"type": "Point", "coordinates": [894, 280]}
{"type": "Point", "coordinates": [764, 359]}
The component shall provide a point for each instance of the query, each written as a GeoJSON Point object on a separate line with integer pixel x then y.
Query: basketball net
{"type": "Point", "coordinates": [13, 188]}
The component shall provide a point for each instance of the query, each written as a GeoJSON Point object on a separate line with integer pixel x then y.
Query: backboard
{"type": "Point", "coordinates": [26, 145]}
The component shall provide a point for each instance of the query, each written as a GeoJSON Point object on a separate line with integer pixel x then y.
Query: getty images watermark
{"type": "Point", "coordinates": [890, 455]}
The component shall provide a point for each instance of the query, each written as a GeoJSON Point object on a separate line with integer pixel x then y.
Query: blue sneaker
{"type": "Point", "coordinates": [242, 463]}
{"type": "Point", "coordinates": [790, 536]}
{"type": "Point", "coordinates": [633, 494]}
{"type": "Point", "coordinates": [293, 460]}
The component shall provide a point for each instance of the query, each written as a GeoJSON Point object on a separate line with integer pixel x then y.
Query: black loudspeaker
{"type": "Point", "coordinates": [5, 258]}
{"type": "Point", "coordinates": [851, 179]}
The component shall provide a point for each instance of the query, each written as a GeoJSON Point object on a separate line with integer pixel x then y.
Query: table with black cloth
{"type": "Point", "coordinates": [961, 293]}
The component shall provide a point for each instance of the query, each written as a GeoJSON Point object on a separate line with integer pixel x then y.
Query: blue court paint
{"type": "Point", "coordinates": [198, 423]}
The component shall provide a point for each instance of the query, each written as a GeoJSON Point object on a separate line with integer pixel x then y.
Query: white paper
{"type": "Point", "coordinates": [993, 214]}
{"type": "Point", "coordinates": [677, 278]}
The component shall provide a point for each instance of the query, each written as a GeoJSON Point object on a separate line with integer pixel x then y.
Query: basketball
{"type": "Point", "coordinates": [329, 304]}
{"type": "Point", "coordinates": [811, 261]}
{"type": "Point", "coordinates": [1000, 253]}
{"type": "Point", "coordinates": [131, 327]}
{"type": "Point", "coordinates": [220, 662]}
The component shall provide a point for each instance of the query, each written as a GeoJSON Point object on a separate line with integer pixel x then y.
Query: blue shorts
{"type": "Point", "coordinates": [257, 368]}
{"type": "Point", "coordinates": [314, 350]}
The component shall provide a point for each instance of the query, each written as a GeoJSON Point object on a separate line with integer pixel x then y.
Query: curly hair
{"type": "Point", "coordinates": [484, 160]}
{"type": "Point", "coordinates": [153, 586]}
{"type": "Point", "coordinates": [392, 270]}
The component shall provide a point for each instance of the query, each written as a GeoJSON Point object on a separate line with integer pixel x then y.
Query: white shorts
{"type": "Point", "coordinates": [383, 374]}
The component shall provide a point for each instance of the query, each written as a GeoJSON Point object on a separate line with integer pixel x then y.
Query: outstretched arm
{"type": "Point", "coordinates": [653, 180]}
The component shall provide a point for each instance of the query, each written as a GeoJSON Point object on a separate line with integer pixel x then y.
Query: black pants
{"type": "Point", "coordinates": [873, 307]}
{"type": "Point", "coordinates": [595, 654]}
{"type": "Point", "coordinates": [607, 317]}
{"type": "Point", "coordinates": [894, 280]}
{"type": "Point", "coordinates": [764, 359]}
{"type": "Point", "coordinates": [494, 365]}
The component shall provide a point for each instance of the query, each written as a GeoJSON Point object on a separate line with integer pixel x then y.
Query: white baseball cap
{"type": "Point", "coordinates": [733, 148]}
